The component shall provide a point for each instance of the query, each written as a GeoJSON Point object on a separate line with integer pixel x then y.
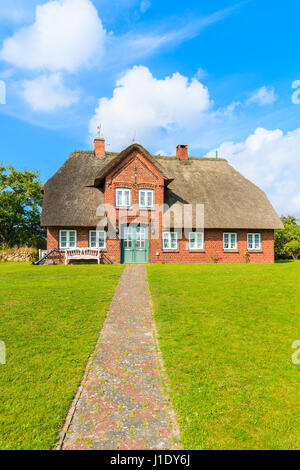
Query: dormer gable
{"type": "Point", "coordinates": [134, 149]}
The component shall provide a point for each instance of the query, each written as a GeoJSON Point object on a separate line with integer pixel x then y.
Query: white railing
{"type": "Point", "coordinates": [82, 253]}
{"type": "Point", "coordinates": [42, 253]}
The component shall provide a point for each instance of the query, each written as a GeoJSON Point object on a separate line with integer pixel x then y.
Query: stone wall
{"type": "Point", "coordinates": [18, 255]}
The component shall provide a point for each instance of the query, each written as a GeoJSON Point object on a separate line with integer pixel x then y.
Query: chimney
{"type": "Point", "coordinates": [99, 146]}
{"type": "Point", "coordinates": [182, 152]}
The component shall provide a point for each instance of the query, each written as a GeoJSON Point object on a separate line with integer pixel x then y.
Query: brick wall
{"type": "Point", "coordinates": [135, 172]}
{"type": "Point", "coordinates": [213, 247]}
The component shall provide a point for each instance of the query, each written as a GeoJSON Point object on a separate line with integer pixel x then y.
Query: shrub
{"type": "Point", "coordinates": [292, 248]}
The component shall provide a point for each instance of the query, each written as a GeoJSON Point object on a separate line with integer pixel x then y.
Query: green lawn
{"type": "Point", "coordinates": [226, 334]}
{"type": "Point", "coordinates": [50, 319]}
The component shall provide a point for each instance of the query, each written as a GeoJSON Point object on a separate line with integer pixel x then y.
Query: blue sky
{"type": "Point", "coordinates": [214, 74]}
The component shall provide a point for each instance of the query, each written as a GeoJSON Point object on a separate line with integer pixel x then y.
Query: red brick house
{"type": "Point", "coordinates": [130, 208]}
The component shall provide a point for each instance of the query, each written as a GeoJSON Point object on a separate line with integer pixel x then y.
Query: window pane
{"type": "Point", "coordinates": [72, 239]}
{"type": "Point", "coordinates": [142, 198]}
{"type": "Point", "coordinates": [149, 199]}
{"type": "Point", "coordinates": [93, 239]}
{"type": "Point", "coordinates": [119, 198]}
{"type": "Point", "coordinates": [192, 241]}
{"type": "Point", "coordinates": [63, 239]}
{"type": "Point", "coordinates": [173, 240]}
{"type": "Point", "coordinates": [128, 237]}
{"type": "Point", "coordinates": [101, 239]}
{"type": "Point", "coordinates": [233, 241]}
{"type": "Point", "coordinates": [140, 237]}
{"type": "Point", "coordinates": [199, 241]}
{"type": "Point", "coordinates": [166, 240]}
{"type": "Point", "coordinates": [226, 241]}
{"type": "Point", "coordinates": [250, 242]}
{"type": "Point", "coordinates": [127, 198]}
{"type": "Point", "coordinates": [257, 241]}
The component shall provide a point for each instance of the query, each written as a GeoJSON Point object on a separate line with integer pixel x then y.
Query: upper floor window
{"type": "Point", "coordinates": [230, 241]}
{"type": "Point", "coordinates": [196, 241]}
{"type": "Point", "coordinates": [123, 197]}
{"type": "Point", "coordinates": [170, 241]}
{"type": "Point", "coordinates": [97, 239]}
{"type": "Point", "coordinates": [146, 199]}
{"type": "Point", "coordinates": [67, 239]}
{"type": "Point", "coordinates": [254, 241]}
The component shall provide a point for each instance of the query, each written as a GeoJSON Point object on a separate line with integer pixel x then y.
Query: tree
{"type": "Point", "coordinates": [20, 204]}
{"type": "Point", "coordinates": [282, 237]}
{"type": "Point", "coordinates": [289, 220]}
{"type": "Point", "coordinates": [292, 248]}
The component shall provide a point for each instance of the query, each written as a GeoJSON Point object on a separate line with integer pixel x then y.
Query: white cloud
{"type": "Point", "coordinates": [145, 5]}
{"type": "Point", "coordinates": [271, 159]}
{"type": "Point", "coordinates": [66, 35]}
{"type": "Point", "coordinates": [263, 97]}
{"type": "Point", "coordinates": [151, 108]}
{"type": "Point", "coordinates": [47, 93]}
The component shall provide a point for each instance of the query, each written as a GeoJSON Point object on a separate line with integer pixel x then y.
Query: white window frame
{"type": "Point", "coordinates": [230, 236]}
{"type": "Point", "coordinates": [122, 191]}
{"type": "Point", "coordinates": [146, 191]}
{"type": "Point", "coordinates": [199, 241]}
{"type": "Point", "coordinates": [254, 246]}
{"type": "Point", "coordinates": [67, 239]}
{"type": "Point", "coordinates": [168, 235]}
{"type": "Point", "coordinates": [99, 234]}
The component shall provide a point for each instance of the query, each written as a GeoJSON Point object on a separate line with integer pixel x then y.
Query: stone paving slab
{"type": "Point", "coordinates": [120, 404]}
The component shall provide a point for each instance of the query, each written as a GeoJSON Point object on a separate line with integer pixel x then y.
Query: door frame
{"type": "Point", "coordinates": [134, 249]}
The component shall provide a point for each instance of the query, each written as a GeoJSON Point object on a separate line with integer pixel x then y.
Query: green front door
{"type": "Point", "coordinates": [135, 244]}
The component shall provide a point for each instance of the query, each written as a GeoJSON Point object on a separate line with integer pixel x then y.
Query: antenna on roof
{"type": "Point", "coordinates": [134, 137]}
{"type": "Point", "coordinates": [99, 131]}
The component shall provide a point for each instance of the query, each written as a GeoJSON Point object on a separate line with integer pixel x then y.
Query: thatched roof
{"type": "Point", "coordinates": [72, 195]}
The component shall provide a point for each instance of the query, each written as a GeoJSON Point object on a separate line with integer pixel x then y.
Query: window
{"type": "Point", "coordinates": [196, 241]}
{"type": "Point", "coordinates": [123, 197]}
{"type": "Point", "coordinates": [170, 241]}
{"type": "Point", "coordinates": [230, 241]}
{"type": "Point", "coordinates": [97, 239]}
{"type": "Point", "coordinates": [254, 241]}
{"type": "Point", "coordinates": [146, 199]}
{"type": "Point", "coordinates": [140, 242]}
{"type": "Point", "coordinates": [128, 238]}
{"type": "Point", "coordinates": [67, 239]}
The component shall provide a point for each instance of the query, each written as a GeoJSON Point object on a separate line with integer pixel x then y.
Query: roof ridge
{"type": "Point", "coordinates": [173, 157]}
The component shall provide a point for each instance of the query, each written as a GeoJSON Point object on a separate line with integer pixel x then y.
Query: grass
{"type": "Point", "coordinates": [50, 319]}
{"type": "Point", "coordinates": [226, 334]}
